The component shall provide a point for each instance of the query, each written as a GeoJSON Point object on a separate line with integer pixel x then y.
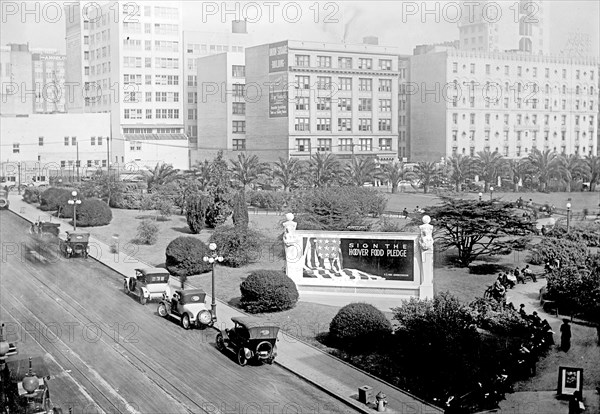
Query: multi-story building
{"type": "Point", "coordinates": [221, 105]}
{"type": "Point", "coordinates": [32, 80]}
{"type": "Point", "coordinates": [403, 107]}
{"type": "Point", "coordinates": [498, 26]}
{"type": "Point", "coordinates": [41, 145]}
{"type": "Point", "coordinates": [198, 45]}
{"type": "Point", "coordinates": [128, 61]}
{"type": "Point", "coordinates": [308, 97]}
{"type": "Point", "coordinates": [468, 102]}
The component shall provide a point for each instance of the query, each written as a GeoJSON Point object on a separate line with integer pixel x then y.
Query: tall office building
{"type": "Point", "coordinates": [308, 97]}
{"type": "Point", "coordinates": [499, 26]}
{"type": "Point", "coordinates": [127, 60]}
{"type": "Point", "coordinates": [512, 103]}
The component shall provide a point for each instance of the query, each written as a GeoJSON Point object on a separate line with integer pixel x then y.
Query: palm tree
{"type": "Point", "coordinates": [201, 173]}
{"type": "Point", "coordinates": [460, 167]}
{"type": "Point", "coordinates": [247, 169]}
{"type": "Point", "coordinates": [593, 163]}
{"type": "Point", "coordinates": [324, 169]}
{"type": "Point", "coordinates": [573, 169]}
{"type": "Point", "coordinates": [489, 166]}
{"type": "Point", "coordinates": [544, 166]}
{"type": "Point", "coordinates": [362, 170]}
{"type": "Point", "coordinates": [394, 173]}
{"type": "Point", "coordinates": [517, 170]}
{"type": "Point", "coordinates": [288, 172]}
{"type": "Point", "coordinates": [426, 171]}
{"type": "Point", "coordinates": [162, 174]}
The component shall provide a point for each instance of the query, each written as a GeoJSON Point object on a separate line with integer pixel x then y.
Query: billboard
{"type": "Point", "coordinates": [278, 57]}
{"type": "Point", "coordinates": [350, 258]}
{"type": "Point", "coordinates": [278, 104]}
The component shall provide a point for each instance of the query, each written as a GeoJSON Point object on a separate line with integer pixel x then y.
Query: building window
{"type": "Point", "coordinates": [302, 124]}
{"type": "Point", "coordinates": [16, 148]}
{"type": "Point", "coordinates": [345, 104]}
{"type": "Point", "coordinates": [345, 144]}
{"type": "Point", "coordinates": [385, 144]}
{"type": "Point", "coordinates": [472, 119]}
{"type": "Point", "coordinates": [506, 70]}
{"type": "Point", "coordinates": [303, 82]}
{"type": "Point", "coordinates": [364, 104]}
{"type": "Point", "coordinates": [385, 85]}
{"type": "Point", "coordinates": [385, 105]}
{"type": "Point", "coordinates": [364, 124]}
{"type": "Point", "coordinates": [238, 71]}
{"type": "Point", "coordinates": [365, 85]}
{"type": "Point", "coordinates": [365, 63]}
{"type": "Point", "coordinates": [239, 108]}
{"type": "Point", "coordinates": [455, 67]}
{"type": "Point", "coordinates": [345, 84]}
{"type": "Point", "coordinates": [238, 89]}
{"type": "Point", "coordinates": [345, 124]}
{"type": "Point", "coordinates": [519, 71]}
{"type": "Point", "coordinates": [324, 82]}
{"type": "Point", "coordinates": [472, 68]}
{"type": "Point", "coordinates": [239, 127]}
{"type": "Point", "coordinates": [191, 114]}
{"type": "Point", "coordinates": [365, 144]}
{"type": "Point", "coordinates": [93, 141]}
{"type": "Point", "coordinates": [323, 104]}
{"type": "Point", "coordinates": [302, 103]}
{"type": "Point", "coordinates": [238, 144]}
{"type": "Point", "coordinates": [324, 61]}
{"type": "Point", "coordinates": [303, 144]}
{"type": "Point", "coordinates": [345, 63]}
{"type": "Point", "coordinates": [385, 64]}
{"type": "Point", "coordinates": [41, 141]}
{"type": "Point", "coordinates": [385, 124]}
{"type": "Point", "coordinates": [303, 60]}
{"type": "Point", "coordinates": [323, 124]}
{"type": "Point", "coordinates": [324, 144]}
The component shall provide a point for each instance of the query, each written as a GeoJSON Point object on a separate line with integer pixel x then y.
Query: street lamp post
{"type": "Point", "coordinates": [74, 201]}
{"type": "Point", "coordinates": [568, 216]}
{"type": "Point", "coordinates": [19, 183]}
{"type": "Point", "coordinates": [491, 193]}
{"type": "Point", "coordinates": [480, 195]}
{"type": "Point", "coordinates": [213, 259]}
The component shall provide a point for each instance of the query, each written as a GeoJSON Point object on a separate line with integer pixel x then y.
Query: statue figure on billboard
{"type": "Point", "coordinates": [426, 239]}
{"type": "Point", "coordinates": [289, 237]}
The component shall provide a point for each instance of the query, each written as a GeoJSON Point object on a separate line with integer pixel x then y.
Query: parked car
{"type": "Point", "coordinates": [188, 306]}
{"type": "Point", "coordinates": [251, 339]}
{"type": "Point", "coordinates": [4, 203]}
{"type": "Point", "coordinates": [75, 244]}
{"type": "Point", "coordinates": [147, 284]}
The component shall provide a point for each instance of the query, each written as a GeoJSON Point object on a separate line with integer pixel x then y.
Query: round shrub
{"type": "Point", "coordinates": [32, 195]}
{"type": "Point", "coordinates": [359, 324]}
{"type": "Point", "coordinates": [52, 198]}
{"type": "Point", "coordinates": [147, 232]}
{"type": "Point", "coordinates": [268, 291]}
{"type": "Point", "coordinates": [566, 251]}
{"type": "Point", "coordinates": [239, 246]}
{"type": "Point", "coordinates": [93, 212]}
{"type": "Point", "coordinates": [184, 256]}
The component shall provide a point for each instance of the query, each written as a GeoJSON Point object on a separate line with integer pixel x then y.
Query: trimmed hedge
{"type": "Point", "coordinates": [359, 324]}
{"type": "Point", "coordinates": [93, 212]}
{"type": "Point", "coordinates": [239, 246]}
{"type": "Point", "coordinates": [275, 200]}
{"type": "Point", "coordinates": [184, 256]}
{"type": "Point", "coordinates": [52, 198]}
{"type": "Point", "coordinates": [268, 291]}
{"type": "Point", "coordinates": [32, 195]}
{"type": "Point", "coordinates": [568, 252]}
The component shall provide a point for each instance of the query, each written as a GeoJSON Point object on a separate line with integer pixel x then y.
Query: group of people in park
{"type": "Point", "coordinates": [508, 280]}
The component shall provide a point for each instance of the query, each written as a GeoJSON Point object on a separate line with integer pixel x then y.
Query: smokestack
{"type": "Point", "coordinates": [238, 26]}
{"type": "Point", "coordinates": [371, 40]}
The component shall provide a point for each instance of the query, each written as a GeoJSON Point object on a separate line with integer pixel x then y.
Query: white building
{"type": "Point", "coordinates": [499, 26]}
{"type": "Point", "coordinates": [465, 102]}
{"type": "Point", "coordinates": [53, 144]}
{"type": "Point", "coordinates": [131, 67]}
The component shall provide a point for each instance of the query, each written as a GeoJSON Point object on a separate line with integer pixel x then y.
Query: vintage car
{"type": "Point", "coordinates": [41, 229]}
{"type": "Point", "coordinates": [251, 339]}
{"type": "Point", "coordinates": [147, 284]}
{"type": "Point", "coordinates": [4, 203]}
{"type": "Point", "coordinates": [189, 306]}
{"type": "Point", "coordinates": [75, 243]}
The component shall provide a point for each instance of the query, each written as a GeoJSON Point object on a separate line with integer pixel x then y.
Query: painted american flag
{"type": "Point", "coordinates": [328, 248]}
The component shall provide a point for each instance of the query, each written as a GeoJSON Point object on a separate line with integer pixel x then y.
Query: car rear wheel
{"type": "Point", "coordinates": [143, 299]}
{"type": "Point", "coordinates": [242, 360]}
{"type": "Point", "coordinates": [162, 310]}
{"type": "Point", "coordinates": [220, 342]}
{"type": "Point", "coordinates": [185, 321]}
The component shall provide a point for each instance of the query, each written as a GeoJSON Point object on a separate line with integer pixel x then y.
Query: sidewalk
{"type": "Point", "coordinates": [330, 374]}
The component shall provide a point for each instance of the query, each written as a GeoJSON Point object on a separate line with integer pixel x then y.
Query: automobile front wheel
{"type": "Point", "coordinates": [185, 321]}
{"type": "Point", "coordinates": [242, 360]}
{"type": "Point", "coordinates": [162, 310]}
{"type": "Point", "coordinates": [220, 342]}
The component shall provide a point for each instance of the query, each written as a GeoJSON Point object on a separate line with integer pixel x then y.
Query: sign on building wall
{"type": "Point", "coordinates": [349, 258]}
{"type": "Point", "coordinates": [278, 104]}
{"type": "Point", "coordinates": [278, 57]}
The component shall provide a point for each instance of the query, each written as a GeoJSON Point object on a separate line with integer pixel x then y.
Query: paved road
{"type": "Point", "coordinates": [127, 358]}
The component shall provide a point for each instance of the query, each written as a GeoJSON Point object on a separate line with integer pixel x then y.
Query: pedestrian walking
{"type": "Point", "coordinates": [522, 311]}
{"type": "Point", "coordinates": [576, 403]}
{"type": "Point", "coordinates": [527, 272]}
{"type": "Point", "coordinates": [405, 213]}
{"type": "Point", "coordinates": [565, 336]}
